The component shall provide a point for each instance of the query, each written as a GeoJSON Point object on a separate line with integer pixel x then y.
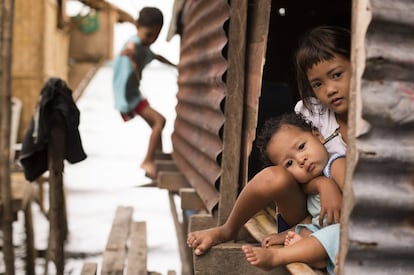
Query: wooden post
{"type": "Point", "coordinates": [6, 30]}
{"type": "Point", "coordinates": [57, 210]}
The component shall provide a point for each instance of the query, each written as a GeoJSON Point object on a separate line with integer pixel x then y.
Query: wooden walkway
{"type": "Point", "coordinates": [126, 248]}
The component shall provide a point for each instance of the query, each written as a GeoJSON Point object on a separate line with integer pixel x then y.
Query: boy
{"type": "Point", "coordinates": [128, 66]}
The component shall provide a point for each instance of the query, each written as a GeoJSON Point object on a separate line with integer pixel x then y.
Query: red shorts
{"type": "Point", "coordinates": [140, 106]}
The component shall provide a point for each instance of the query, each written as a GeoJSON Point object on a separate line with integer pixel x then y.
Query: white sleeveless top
{"type": "Point", "coordinates": [324, 119]}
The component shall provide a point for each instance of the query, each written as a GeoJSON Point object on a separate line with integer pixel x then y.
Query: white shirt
{"type": "Point", "coordinates": [324, 119]}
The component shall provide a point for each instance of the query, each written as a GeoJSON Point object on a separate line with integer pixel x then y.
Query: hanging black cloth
{"type": "Point", "coordinates": [55, 99]}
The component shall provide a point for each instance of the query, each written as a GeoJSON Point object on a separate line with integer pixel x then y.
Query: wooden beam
{"type": "Point", "coordinates": [201, 221]}
{"type": "Point", "coordinates": [228, 258]}
{"type": "Point", "coordinates": [6, 45]}
{"type": "Point", "coordinates": [165, 165]}
{"type": "Point", "coordinates": [120, 228]}
{"type": "Point", "coordinates": [137, 253]}
{"type": "Point", "coordinates": [185, 252]}
{"type": "Point", "coordinates": [190, 200]}
{"type": "Point", "coordinates": [172, 180]}
{"type": "Point", "coordinates": [89, 269]}
{"type": "Point", "coordinates": [162, 156]}
{"type": "Point", "coordinates": [113, 261]}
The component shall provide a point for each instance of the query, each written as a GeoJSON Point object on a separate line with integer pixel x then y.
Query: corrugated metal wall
{"type": "Point", "coordinates": [381, 223]}
{"type": "Point", "coordinates": [197, 137]}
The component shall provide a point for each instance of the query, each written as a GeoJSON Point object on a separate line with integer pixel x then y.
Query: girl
{"type": "Point", "coordinates": [323, 71]}
{"type": "Point", "coordinates": [323, 74]}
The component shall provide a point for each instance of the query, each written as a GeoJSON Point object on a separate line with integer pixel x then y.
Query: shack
{"type": "Point", "coordinates": [236, 69]}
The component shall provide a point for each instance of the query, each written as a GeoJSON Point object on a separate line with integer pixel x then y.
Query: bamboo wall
{"type": "Point", "coordinates": [40, 50]}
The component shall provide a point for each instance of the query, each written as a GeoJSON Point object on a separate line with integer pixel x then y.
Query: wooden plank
{"type": "Point", "coordinates": [30, 247]}
{"type": "Point", "coordinates": [185, 251]}
{"type": "Point", "coordinates": [172, 180]}
{"type": "Point", "coordinates": [190, 200]}
{"type": "Point", "coordinates": [162, 156]}
{"type": "Point", "coordinates": [165, 165]}
{"type": "Point", "coordinates": [120, 228]}
{"type": "Point", "coordinates": [232, 134]}
{"type": "Point", "coordinates": [171, 272]}
{"type": "Point", "coordinates": [137, 253]}
{"type": "Point", "coordinates": [89, 269]}
{"type": "Point", "coordinates": [228, 258]}
{"type": "Point", "coordinates": [113, 261]}
{"type": "Point", "coordinates": [57, 208]}
{"type": "Point", "coordinates": [201, 222]}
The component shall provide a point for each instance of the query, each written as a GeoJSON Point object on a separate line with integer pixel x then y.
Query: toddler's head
{"type": "Point", "coordinates": [292, 142]}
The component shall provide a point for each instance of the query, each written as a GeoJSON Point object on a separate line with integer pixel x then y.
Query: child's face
{"type": "Point", "coordinates": [300, 152]}
{"type": "Point", "coordinates": [330, 83]}
{"type": "Point", "coordinates": [148, 35]}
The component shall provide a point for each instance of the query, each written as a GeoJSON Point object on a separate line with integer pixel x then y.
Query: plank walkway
{"type": "Point", "coordinates": [126, 248]}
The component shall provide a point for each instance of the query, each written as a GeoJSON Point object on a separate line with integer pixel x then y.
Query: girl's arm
{"type": "Point", "coordinates": [164, 60]}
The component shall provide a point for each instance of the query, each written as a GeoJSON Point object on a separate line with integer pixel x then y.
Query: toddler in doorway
{"type": "Point", "coordinates": [293, 143]}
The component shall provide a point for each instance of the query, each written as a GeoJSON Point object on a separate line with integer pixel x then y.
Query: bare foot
{"type": "Point", "coordinates": [203, 240]}
{"type": "Point", "coordinates": [292, 237]}
{"type": "Point", "coordinates": [149, 168]}
{"type": "Point", "coordinates": [273, 239]}
{"type": "Point", "coordinates": [264, 258]}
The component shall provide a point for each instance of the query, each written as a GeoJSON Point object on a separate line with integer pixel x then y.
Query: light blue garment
{"type": "Point", "coordinates": [328, 236]}
{"type": "Point", "coordinates": [126, 81]}
{"type": "Point", "coordinates": [314, 201]}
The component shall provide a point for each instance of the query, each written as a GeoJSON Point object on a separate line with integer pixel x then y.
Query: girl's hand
{"type": "Point", "coordinates": [331, 200]}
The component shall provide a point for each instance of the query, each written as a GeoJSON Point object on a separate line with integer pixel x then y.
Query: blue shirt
{"type": "Point", "coordinates": [126, 80]}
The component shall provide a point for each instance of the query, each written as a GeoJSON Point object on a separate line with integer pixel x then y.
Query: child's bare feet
{"type": "Point", "coordinates": [149, 168]}
{"type": "Point", "coordinates": [203, 240]}
{"type": "Point", "coordinates": [264, 258]}
{"type": "Point", "coordinates": [292, 237]}
{"type": "Point", "coordinates": [273, 239]}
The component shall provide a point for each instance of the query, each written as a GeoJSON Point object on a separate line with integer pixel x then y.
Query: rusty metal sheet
{"type": "Point", "coordinates": [196, 139]}
{"type": "Point", "coordinates": [381, 224]}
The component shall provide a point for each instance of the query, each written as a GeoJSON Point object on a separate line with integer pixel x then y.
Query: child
{"type": "Point", "coordinates": [323, 74]}
{"type": "Point", "coordinates": [292, 142]}
{"type": "Point", "coordinates": [128, 66]}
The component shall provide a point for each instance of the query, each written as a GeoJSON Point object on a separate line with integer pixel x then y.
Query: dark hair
{"type": "Point", "coordinates": [319, 44]}
{"type": "Point", "coordinates": [149, 17]}
{"type": "Point", "coordinates": [273, 125]}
